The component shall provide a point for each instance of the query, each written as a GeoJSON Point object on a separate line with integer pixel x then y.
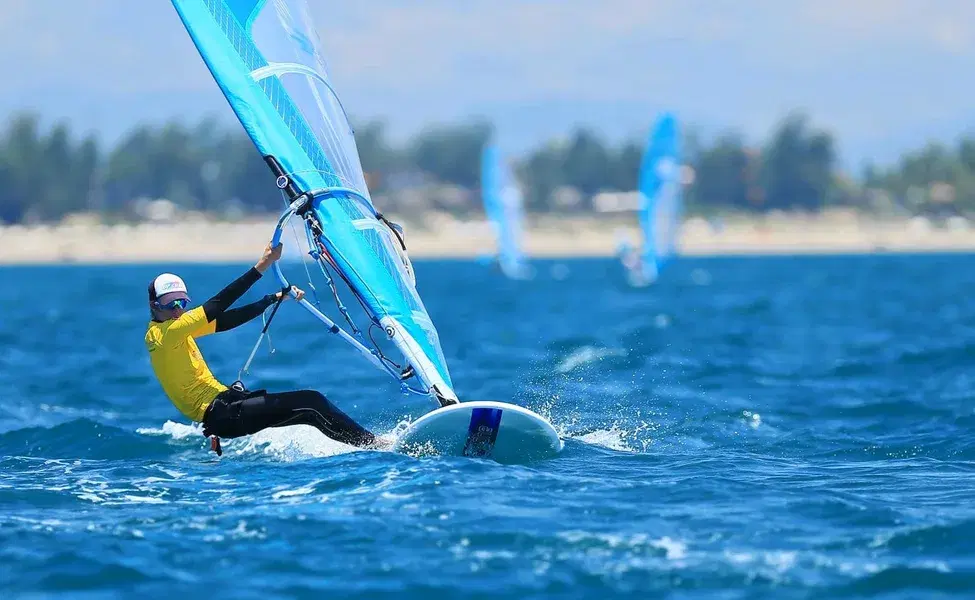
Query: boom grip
{"type": "Point", "coordinates": [332, 327]}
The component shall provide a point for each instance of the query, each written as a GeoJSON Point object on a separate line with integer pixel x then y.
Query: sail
{"type": "Point", "coordinates": [503, 205]}
{"type": "Point", "coordinates": [266, 58]}
{"type": "Point", "coordinates": [660, 196]}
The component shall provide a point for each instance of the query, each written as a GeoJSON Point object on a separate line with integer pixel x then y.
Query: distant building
{"type": "Point", "coordinates": [156, 211]}
{"type": "Point", "coordinates": [566, 198]}
{"type": "Point", "coordinates": [611, 202]}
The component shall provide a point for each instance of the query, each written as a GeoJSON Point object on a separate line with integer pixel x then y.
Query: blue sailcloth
{"type": "Point", "coordinates": [504, 207]}
{"type": "Point", "coordinates": [266, 58]}
{"type": "Point", "coordinates": [660, 197]}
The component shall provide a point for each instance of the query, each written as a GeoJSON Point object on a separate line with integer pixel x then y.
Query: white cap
{"type": "Point", "coordinates": [166, 288]}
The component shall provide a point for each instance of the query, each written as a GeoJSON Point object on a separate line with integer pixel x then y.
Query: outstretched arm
{"type": "Point", "coordinates": [216, 306]}
{"type": "Point", "coordinates": [224, 299]}
{"type": "Point", "coordinates": [236, 317]}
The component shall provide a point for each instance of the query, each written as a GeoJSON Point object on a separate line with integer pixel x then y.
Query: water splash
{"type": "Point", "coordinates": [586, 355]}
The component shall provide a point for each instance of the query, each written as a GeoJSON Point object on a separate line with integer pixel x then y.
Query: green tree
{"type": "Point", "coordinates": [129, 169]}
{"type": "Point", "coordinates": [797, 166]}
{"type": "Point", "coordinates": [624, 167]}
{"type": "Point", "coordinates": [376, 154]}
{"type": "Point", "coordinates": [209, 166]}
{"type": "Point", "coordinates": [58, 198]}
{"type": "Point", "coordinates": [22, 157]}
{"type": "Point", "coordinates": [541, 174]}
{"type": "Point", "coordinates": [451, 154]}
{"type": "Point", "coordinates": [84, 173]}
{"type": "Point", "coordinates": [586, 163]}
{"type": "Point", "coordinates": [722, 175]}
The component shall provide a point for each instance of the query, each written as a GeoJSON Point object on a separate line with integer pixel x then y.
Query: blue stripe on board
{"type": "Point", "coordinates": [482, 432]}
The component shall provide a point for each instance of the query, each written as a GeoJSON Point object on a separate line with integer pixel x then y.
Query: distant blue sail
{"type": "Point", "coordinates": [660, 196]}
{"type": "Point", "coordinates": [266, 58]}
{"type": "Point", "coordinates": [504, 206]}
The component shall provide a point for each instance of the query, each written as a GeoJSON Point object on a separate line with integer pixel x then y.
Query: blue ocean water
{"type": "Point", "coordinates": [747, 428]}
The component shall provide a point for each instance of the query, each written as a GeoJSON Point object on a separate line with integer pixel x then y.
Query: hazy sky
{"type": "Point", "coordinates": [884, 75]}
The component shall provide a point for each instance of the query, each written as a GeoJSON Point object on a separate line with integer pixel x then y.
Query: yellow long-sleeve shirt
{"type": "Point", "coordinates": [178, 364]}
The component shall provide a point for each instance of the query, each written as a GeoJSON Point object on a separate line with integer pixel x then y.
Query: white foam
{"type": "Point", "coordinates": [143, 499]}
{"type": "Point", "coordinates": [673, 549]}
{"type": "Point", "coordinates": [38, 524]}
{"type": "Point", "coordinates": [283, 443]}
{"type": "Point", "coordinates": [613, 438]}
{"type": "Point", "coordinates": [619, 438]}
{"type": "Point", "coordinates": [288, 443]}
{"type": "Point", "coordinates": [564, 424]}
{"type": "Point", "coordinates": [936, 565]}
{"type": "Point", "coordinates": [177, 431]}
{"type": "Point", "coordinates": [586, 355]}
{"type": "Point", "coordinates": [242, 532]}
{"type": "Point", "coordinates": [291, 493]}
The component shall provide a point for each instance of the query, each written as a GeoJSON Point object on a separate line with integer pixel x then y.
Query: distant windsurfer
{"type": "Point", "coordinates": [637, 273]}
{"type": "Point", "coordinates": [627, 254]}
{"type": "Point", "coordinates": [631, 259]}
{"type": "Point", "coordinates": [229, 412]}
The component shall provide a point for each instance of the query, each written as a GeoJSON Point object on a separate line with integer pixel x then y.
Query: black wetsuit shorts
{"type": "Point", "coordinates": [238, 412]}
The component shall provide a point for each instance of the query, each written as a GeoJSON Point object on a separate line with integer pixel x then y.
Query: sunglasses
{"type": "Point", "coordinates": [181, 303]}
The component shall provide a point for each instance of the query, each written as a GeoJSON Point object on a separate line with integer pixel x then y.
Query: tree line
{"type": "Point", "coordinates": [47, 173]}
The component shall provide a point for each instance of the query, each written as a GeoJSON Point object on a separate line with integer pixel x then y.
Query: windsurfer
{"type": "Point", "coordinates": [631, 259]}
{"type": "Point", "coordinates": [496, 263]}
{"type": "Point", "coordinates": [233, 411]}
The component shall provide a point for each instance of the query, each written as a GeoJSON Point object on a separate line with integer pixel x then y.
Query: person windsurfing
{"type": "Point", "coordinates": [637, 273]}
{"type": "Point", "coordinates": [629, 256]}
{"type": "Point", "coordinates": [234, 411]}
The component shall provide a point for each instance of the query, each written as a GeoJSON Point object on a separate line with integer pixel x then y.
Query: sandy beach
{"type": "Point", "coordinates": [82, 239]}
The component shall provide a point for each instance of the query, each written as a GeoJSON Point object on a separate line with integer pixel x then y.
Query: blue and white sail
{"type": "Point", "coordinates": [660, 207]}
{"type": "Point", "coordinates": [266, 57]}
{"type": "Point", "coordinates": [504, 207]}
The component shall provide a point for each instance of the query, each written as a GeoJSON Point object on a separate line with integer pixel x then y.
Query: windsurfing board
{"type": "Point", "coordinates": [502, 432]}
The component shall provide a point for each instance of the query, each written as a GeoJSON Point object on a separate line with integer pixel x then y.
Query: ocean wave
{"type": "Point", "coordinates": [797, 428]}
{"type": "Point", "coordinates": [909, 581]}
{"type": "Point", "coordinates": [81, 439]}
{"type": "Point", "coordinates": [947, 538]}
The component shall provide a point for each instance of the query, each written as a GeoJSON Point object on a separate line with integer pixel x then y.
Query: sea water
{"type": "Point", "coordinates": [745, 428]}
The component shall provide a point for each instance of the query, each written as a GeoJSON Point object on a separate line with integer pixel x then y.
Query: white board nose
{"type": "Point", "coordinates": [505, 433]}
